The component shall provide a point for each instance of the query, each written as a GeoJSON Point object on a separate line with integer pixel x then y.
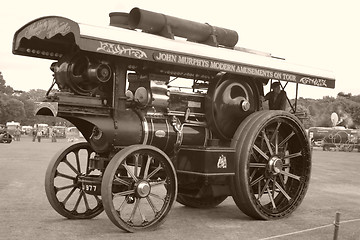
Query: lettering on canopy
{"type": "Point", "coordinates": [237, 68]}
{"type": "Point", "coordinates": [314, 81]}
{"type": "Point", "coordinates": [118, 49]}
{"type": "Point", "coordinates": [222, 66]}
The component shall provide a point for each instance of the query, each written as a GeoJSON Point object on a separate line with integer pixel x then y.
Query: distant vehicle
{"type": "Point", "coordinates": [12, 126]}
{"type": "Point", "coordinates": [60, 131]}
{"type": "Point", "coordinates": [5, 137]}
{"type": "Point", "coordinates": [26, 130]}
{"type": "Point", "coordinates": [340, 138]}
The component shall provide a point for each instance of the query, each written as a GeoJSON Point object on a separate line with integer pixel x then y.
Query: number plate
{"type": "Point", "coordinates": [90, 188]}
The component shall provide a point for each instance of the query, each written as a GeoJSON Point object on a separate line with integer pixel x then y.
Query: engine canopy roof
{"type": "Point", "coordinates": [51, 37]}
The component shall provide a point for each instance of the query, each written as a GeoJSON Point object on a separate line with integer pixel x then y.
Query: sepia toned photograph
{"type": "Point", "coordinates": [179, 120]}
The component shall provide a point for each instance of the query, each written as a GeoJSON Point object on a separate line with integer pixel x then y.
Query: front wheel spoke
{"type": "Point", "coordinates": [136, 205]}
{"type": "Point", "coordinates": [293, 155]}
{"type": "Point", "coordinates": [86, 201]}
{"type": "Point", "coordinates": [71, 167]}
{"type": "Point", "coordinates": [271, 198]}
{"type": "Point", "coordinates": [98, 200]}
{"type": "Point", "coordinates": [287, 139]}
{"type": "Point", "coordinates": [68, 196]}
{"type": "Point", "coordinates": [157, 196]}
{"type": "Point", "coordinates": [147, 166]}
{"type": "Point", "coordinates": [78, 161]}
{"type": "Point", "coordinates": [290, 175]}
{"type": "Point", "coordinates": [153, 207]}
{"type": "Point", "coordinates": [136, 164]}
{"type": "Point", "coordinates": [261, 152]}
{"type": "Point", "coordinates": [153, 184]}
{"type": "Point", "coordinates": [66, 187]}
{"type": "Point", "coordinates": [122, 181]}
{"type": "Point", "coordinates": [128, 170]}
{"type": "Point", "coordinates": [121, 206]}
{"type": "Point", "coordinates": [154, 172]}
{"type": "Point", "coordinates": [267, 142]}
{"type": "Point", "coordinates": [143, 218]}
{"type": "Point", "coordinates": [59, 174]}
{"type": "Point", "coordinates": [282, 191]}
{"type": "Point", "coordinates": [124, 193]}
{"type": "Point", "coordinates": [78, 201]}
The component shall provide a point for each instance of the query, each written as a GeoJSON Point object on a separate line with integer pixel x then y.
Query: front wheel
{"type": "Point", "coordinates": [139, 188]}
{"type": "Point", "coordinates": [273, 164]}
{"type": "Point", "coordinates": [63, 188]}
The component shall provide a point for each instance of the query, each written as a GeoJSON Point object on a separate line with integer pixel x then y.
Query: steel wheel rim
{"type": "Point", "coordinates": [139, 190]}
{"type": "Point", "coordinates": [63, 189]}
{"type": "Point", "coordinates": [278, 168]}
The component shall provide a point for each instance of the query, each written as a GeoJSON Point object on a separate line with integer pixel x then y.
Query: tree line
{"type": "Point", "coordinates": [19, 106]}
{"type": "Point", "coordinates": [318, 111]}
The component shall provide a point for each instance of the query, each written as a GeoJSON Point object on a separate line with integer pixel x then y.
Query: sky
{"type": "Point", "coordinates": [323, 33]}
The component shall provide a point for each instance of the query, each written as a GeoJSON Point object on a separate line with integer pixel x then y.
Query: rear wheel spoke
{"type": "Point", "coordinates": [293, 155]}
{"type": "Point", "coordinates": [267, 142]}
{"type": "Point", "coordinates": [287, 139]}
{"type": "Point", "coordinates": [261, 152]}
{"type": "Point", "coordinates": [257, 180]}
{"type": "Point", "coordinates": [266, 187]}
{"type": "Point", "coordinates": [271, 198]}
{"type": "Point", "coordinates": [257, 165]}
{"type": "Point", "coordinates": [290, 175]}
{"type": "Point", "coordinates": [282, 191]}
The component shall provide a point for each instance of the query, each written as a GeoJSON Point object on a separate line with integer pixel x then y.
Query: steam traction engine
{"type": "Point", "coordinates": [149, 142]}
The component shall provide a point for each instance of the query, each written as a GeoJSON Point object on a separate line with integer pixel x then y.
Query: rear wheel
{"type": "Point", "coordinates": [273, 163]}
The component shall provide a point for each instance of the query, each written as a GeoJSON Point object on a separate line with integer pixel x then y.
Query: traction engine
{"type": "Point", "coordinates": [149, 141]}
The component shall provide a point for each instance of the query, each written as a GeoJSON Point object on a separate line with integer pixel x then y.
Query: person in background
{"type": "Point", "coordinates": [34, 134]}
{"type": "Point", "coordinates": [53, 136]}
{"type": "Point", "coordinates": [17, 133]}
{"type": "Point", "coordinates": [276, 97]}
{"type": "Point", "coordinates": [39, 135]}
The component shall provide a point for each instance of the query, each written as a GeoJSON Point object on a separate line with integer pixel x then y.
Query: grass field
{"type": "Point", "coordinates": [26, 214]}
